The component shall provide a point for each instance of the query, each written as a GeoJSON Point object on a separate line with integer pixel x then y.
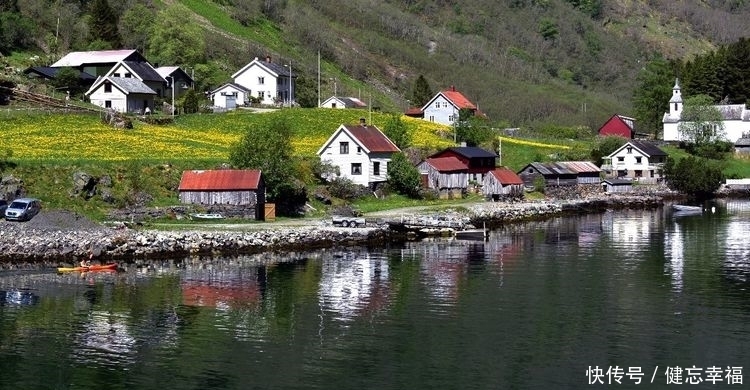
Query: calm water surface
{"type": "Point", "coordinates": [533, 308]}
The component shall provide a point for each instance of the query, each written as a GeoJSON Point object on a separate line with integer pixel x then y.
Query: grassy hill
{"type": "Point", "coordinates": [525, 62]}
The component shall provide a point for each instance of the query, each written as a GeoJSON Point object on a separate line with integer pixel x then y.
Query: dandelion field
{"type": "Point", "coordinates": [60, 138]}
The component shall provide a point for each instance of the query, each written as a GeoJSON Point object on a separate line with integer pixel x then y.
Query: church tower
{"type": "Point", "coordinates": [675, 103]}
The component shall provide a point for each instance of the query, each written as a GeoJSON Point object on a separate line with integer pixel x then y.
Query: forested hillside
{"type": "Point", "coordinates": [525, 62]}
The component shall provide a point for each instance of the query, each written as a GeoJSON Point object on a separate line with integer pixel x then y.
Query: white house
{"type": "Point", "coordinates": [343, 102]}
{"type": "Point", "coordinates": [229, 96]}
{"type": "Point", "coordinates": [121, 94]}
{"type": "Point", "coordinates": [445, 106]}
{"type": "Point", "coordinates": [639, 160]}
{"type": "Point", "coordinates": [361, 153]}
{"type": "Point", "coordinates": [268, 82]}
{"type": "Point", "coordinates": [736, 118]}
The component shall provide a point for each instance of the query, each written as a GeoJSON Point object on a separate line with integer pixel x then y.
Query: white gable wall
{"type": "Point", "coordinates": [117, 99]}
{"type": "Point", "coordinates": [260, 82]}
{"type": "Point", "coordinates": [440, 110]}
{"type": "Point", "coordinates": [333, 103]}
{"type": "Point", "coordinates": [332, 154]}
{"type": "Point", "coordinates": [733, 130]}
{"type": "Point", "coordinates": [221, 96]}
{"type": "Point", "coordinates": [626, 160]}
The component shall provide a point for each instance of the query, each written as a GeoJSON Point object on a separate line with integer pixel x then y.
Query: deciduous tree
{"type": "Point", "coordinates": [175, 40]}
{"type": "Point", "coordinates": [693, 176]}
{"type": "Point", "coordinates": [397, 131]}
{"type": "Point", "coordinates": [702, 122]}
{"type": "Point", "coordinates": [402, 176]}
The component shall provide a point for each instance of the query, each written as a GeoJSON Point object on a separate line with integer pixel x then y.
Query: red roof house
{"type": "Point", "coordinates": [501, 182]}
{"type": "Point", "coordinates": [361, 152]}
{"type": "Point", "coordinates": [449, 175]}
{"type": "Point", "coordinates": [237, 187]}
{"type": "Point", "coordinates": [618, 125]}
{"type": "Point", "coordinates": [446, 105]}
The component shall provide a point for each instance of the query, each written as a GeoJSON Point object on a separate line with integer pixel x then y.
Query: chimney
{"type": "Point", "coordinates": [453, 88]}
{"type": "Point", "coordinates": [268, 59]}
{"type": "Point", "coordinates": [362, 122]}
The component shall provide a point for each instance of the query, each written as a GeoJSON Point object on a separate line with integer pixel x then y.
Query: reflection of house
{"type": "Point", "coordinates": [478, 160]}
{"type": "Point", "coordinates": [640, 160]}
{"type": "Point", "coordinates": [343, 102]}
{"type": "Point", "coordinates": [225, 186]}
{"type": "Point", "coordinates": [350, 287]}
{"type": "Point", "coordinates": [736, 118]}
{"type": "Point", "coordinates": [550, 174]}
{"type": "Point", "coordinates": [618, 125]}
{"type": "Point", "coordinates": [361, 153]}
{"type": "Point", "coordinates": [267, 82]}
{"type": "Point", "coordinates": [448, 175]}
{"type": "Point", "coordinates": [502, 183]}
{"type": "Point", "coordinates": [121, 94]}
{"type": "Point", "coordinates": [445, 106]}
{"type": "Point", "coordinates": [230, 96]}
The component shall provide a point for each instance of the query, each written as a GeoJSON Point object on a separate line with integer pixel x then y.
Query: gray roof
{"type": "Point", "coordinates": [131, 85]}
{"type": "Point", "coordinates": [617, 182]}
{"type": "Point", "coordinates": [145, 71]}
{"type": "Point", "coordinates": [233, 85]}
{"type": "Point", "coordinates": [647, 148]}
{"type": "Point", "coordinates": [742, 142]}
{"type": "Point", "coordinates": [550, 169]}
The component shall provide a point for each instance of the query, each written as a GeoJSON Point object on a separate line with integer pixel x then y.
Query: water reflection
{"type": "Point", "coordinates": [105, 339]}
{"type": "Point", "coordinates": [18, 297]}
{"type": "Point", "coordinates": [353, 284]}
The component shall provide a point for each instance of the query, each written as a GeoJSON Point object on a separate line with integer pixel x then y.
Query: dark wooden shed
{"type": "Point", "coordinates": [225, 187]}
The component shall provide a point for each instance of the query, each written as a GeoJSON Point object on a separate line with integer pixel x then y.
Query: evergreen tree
{"type": "Point", "coordinates": [651, 94]}
{"type": "Point", "coordinates": [421, 93]}
{"type": "Point", "coordinates": [103, 24]}
{"type": "Point", "coordinates": [305, 92]}
{"type": "Point", "coordinates": [693, 176]}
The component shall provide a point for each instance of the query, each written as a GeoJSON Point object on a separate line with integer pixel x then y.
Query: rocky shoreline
{"type": "Point", "coordinates": [58, 237]}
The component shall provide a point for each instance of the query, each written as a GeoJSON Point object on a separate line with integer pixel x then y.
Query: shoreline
{"type": "Point", "coordinates": [54, 245]}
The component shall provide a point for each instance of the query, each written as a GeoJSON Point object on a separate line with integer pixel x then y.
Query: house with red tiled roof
{"type": "Point", "coordinates": [501, 183]}
{"type": "Point", "coordinates": [478, 160]}
{"type": "Point", "coordinates": [235, 187]}
{"type": "Point", "coordinates": [446, 105]}
{"type": "Point", "coordinates": [448, 175]}
{"type": "Point", "coordinates": [361, 153]}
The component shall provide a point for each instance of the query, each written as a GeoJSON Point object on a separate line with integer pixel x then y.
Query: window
{"type": "Point", "coordinates": [638, 173]}
{"type": "Point", "coordinates": [261, 95]}
{"type": "Point", "coordinates": [107, 88]}
{"type": "Point", "coordinates": [432, 118]}
{"type": "Point", "coordinates": [376, 168]}
{"type": "Point", "coordinates": [128, 75]}
{"type": "Point", "coordinates": [261, 80]}
{"type": "Point", "coordinates": [116, 75]}
{"type": "Point", "coordinates": [638, 160]}
{"type": "Point", "coordinates": [621, 159]}
{"type": "Point", "coordinates": [630, 150]}
{"type": "Point", "coordinates": [356, 168]}
{"type": "Point", "coordinates": [343, 148]}
{"type": "Point", "coordinates": [359, 149]}
{"type": "Point", "coordinates": [333, 105]}
{"type": "Point", "coordinates": [451, 118]}
{"type": "Point", "coordinates": [107, 104]}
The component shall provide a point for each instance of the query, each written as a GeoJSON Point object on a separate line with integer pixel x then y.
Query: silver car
{"type": "Point", "coordinates": [23, 209]}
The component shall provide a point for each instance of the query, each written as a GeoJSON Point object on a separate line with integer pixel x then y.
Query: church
{"type": "Point", "coordinates": [736, 118]}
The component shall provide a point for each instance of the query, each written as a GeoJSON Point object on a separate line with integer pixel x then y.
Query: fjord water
{"type": "Point", "coordinates": [537, 306]}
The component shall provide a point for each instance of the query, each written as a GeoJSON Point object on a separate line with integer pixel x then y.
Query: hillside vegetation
{"type": "Point", "coordinates": [525, 62]}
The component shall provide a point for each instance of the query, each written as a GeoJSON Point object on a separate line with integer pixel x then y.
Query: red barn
{"type": "Point", "coordinates": [620, 126]}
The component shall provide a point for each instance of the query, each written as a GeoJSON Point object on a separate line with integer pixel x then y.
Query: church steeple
{"type": "Point", "coordinates": [675, 103]}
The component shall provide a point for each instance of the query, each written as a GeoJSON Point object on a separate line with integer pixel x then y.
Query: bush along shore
{"type": "Point", "coordinates": [58, 237]}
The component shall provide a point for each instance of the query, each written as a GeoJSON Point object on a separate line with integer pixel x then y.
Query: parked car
{"type": "Point", "coordinates": [3, 206]}
{"type": "Point", "coordinates": [23, 209]}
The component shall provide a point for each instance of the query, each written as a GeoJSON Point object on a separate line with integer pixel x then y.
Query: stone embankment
{"type": "Point", "coordinates": [58, 236]}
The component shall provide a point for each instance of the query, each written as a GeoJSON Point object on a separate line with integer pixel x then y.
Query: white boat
{"type": "Point", "coordinates": [471, 234]}
{"type": "Point", "coordinates": [682, 207]}
{"type": "Point", "coordinates": [202, 216]}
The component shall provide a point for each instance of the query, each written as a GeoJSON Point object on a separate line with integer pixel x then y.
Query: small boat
{"type": "Point", "coordinates": [682, 207]}
{"type": "Point", "coordinates": [206, 216]}
{"type": "Point", "coordinates": [103, 267]}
